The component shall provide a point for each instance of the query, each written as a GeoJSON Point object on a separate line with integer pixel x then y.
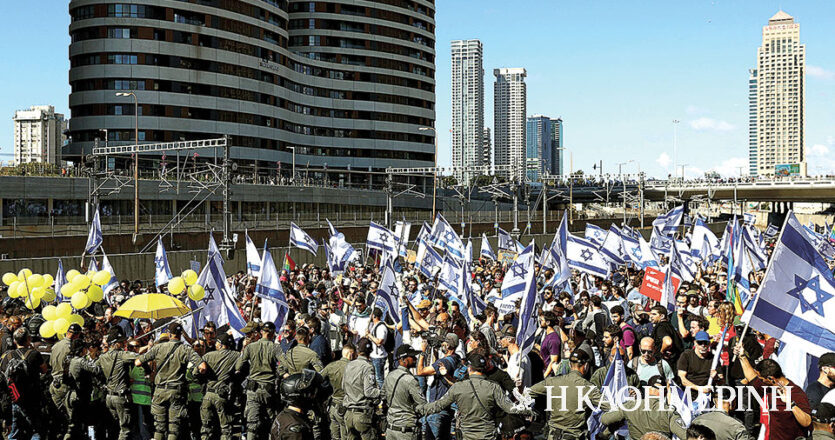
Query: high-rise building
{"type": "Point", "coordinates": [487, 148]}
{"type": "Point", "coordinates": [509, 114]}
{"type": "Point", "coordinates": [467, 106]}
{"type": "Point", "coordinates": [780, 99]}
{"type": "Point", "coordinates": [539, 147]}
{"type": "Point", "coordinates": [38, 135]}
{"type": "Point", "coordinates": [557, 145]}
{"type": "Point", "coordinates": [343, 84]}
{"type": "Point", "coordinates": [752, 122]}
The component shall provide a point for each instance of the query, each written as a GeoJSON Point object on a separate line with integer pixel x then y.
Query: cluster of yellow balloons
{"type": "Point", "coordinates": [31, 287]}
{"type": "Point", "coordinates": [85, 289]}
{"type": "Point", "coordinates": [58, 320]}
{"type": "Point", "coordinates": [187, 280]}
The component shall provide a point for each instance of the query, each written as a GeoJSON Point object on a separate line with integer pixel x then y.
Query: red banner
{"type": "Point", "coordinates": [653, 284]}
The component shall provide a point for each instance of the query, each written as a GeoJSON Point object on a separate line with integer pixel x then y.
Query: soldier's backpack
{"type": "Point", "coordinates": [16, 373]}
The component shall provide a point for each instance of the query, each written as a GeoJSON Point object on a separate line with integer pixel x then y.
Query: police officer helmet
{"type": "Point", "coordinates": [824, 413]}
{"type": "Point", "coordinates": [302, 389]}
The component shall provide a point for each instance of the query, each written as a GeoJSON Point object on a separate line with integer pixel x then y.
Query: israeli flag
{"type": "Point", "coordinates": [545, 258]}
{"type": "Point", "coordinates": [60, 280]}
{"type": "Point", "coordinates": [612, 247]}
{"type": "Point", "coordinates": [450, 276]}
{"type": "Point", "coordinates": [253, 259]}
{"type": "Point", "coordinates": [639, 252]}
{"type": "Point", "coordinates": [704, 245]}
{"type": "Point", "coordinates": [820, 242]}
{"type": "Point", "coordinates": [616, 392]}
{"type": "Point", "coordinates": [527, 310]}
{"type": "Point", "coordinates": [519, 247]}
{"type": "Point", "coordinates": [583, 255]}
{"type": "Point", "coordinates": [388, 293]}
{"type": "Point", "coordinates": [444, 237]}
{"type": "Point", "coordinates": [659, 242]}
{"type": "Point", "coordinates": [726, 241]}
{"type": "Point", "coordinates": [668, 291]}
{"type": "Point", "coordinates": [795, 300]}
{"type": "Point", "coordinates": [514, 280]}
{"type": "Point", "coordinates": [686, 268]}
{"type": "Point", "coordinates": [506, 242]}
{"type": "Point", "coordinates": [95, 237]}
{"type": "Point", "coordinates": [331, 229]}
{"type": "Point", "coordinates": [274, 308]}
{"type": "Point", "coordinates": [163, 271]}
{"type": "Point", "coordinates": [381, 238]}
{"type": "Point", "coordinates": [428, 260]}
{"type": "Point", "coordinates": [595, 234]}
{"type": "Point", "coordinates": [669, 222]}
{"type": "Point", "coordinates": [402, 230]}
{"type": "Point", "coordinates": [562, 273]}
{"type": "Point", "coordinates": [300, 239]}
{"type": "Point", "coordinates": [425, 233]}
{"type": "Point", "coordinates": [753, 251]}
{"type": "Point", "coordinates": [114, 282]}
{"type": "Point", "coordinates": [486, 250]}
{"type": "Point", "coordinates": [219, 303]}
{"type": "Point", "coordinates": [477, 305]}
{"type": "Point", "coordinates": [93, 266]}
{"type": "Point", "coordinates": [771, 231]}
{"type": "Point", "coordinates": [340, 253]}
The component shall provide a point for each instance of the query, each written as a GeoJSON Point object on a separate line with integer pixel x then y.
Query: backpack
{"type": "Point", "coordinates": [388, 343]}
{"type": "Point", "coordinates": [16, 373]}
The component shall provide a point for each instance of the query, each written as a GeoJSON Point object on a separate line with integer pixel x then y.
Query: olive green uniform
{"type": "Point", "coordinates": [361, 395]}
{"type": "Point", "coordinates": [297, 359]}
{"type": "Point", "coordinates": [217, 403]}
{"type": "Point", "coordinates": [168, 406]}
{"type": "Point", "coordinates": [58, 390]}
{"type": "Point", "coordinates": [402, 394]}
{"type": "Point", "coordinates": [116, 366]}
{"type": "Point", "coordinates": [334, 372]}
{"type": "Point", "coordinates": [648, 416]}
{"type": "Point", "coordinates": [480, 404]}
{"type": "Point", "coordinates": [79, 391]}
{"type": "Point", "coordinates": [816, 435]}
{"type": "Point", "coordinates": [262, 358]}
{"type": "Point", "coordinates": [571, 423]}
{"type": "Point", "coordinates": [728, 428]}
{"type": "Point", "coordinates": [291, 425]}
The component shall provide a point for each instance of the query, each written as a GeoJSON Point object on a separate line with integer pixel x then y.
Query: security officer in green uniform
{"type": "Point", "coordinates": [651, 414]}
{"type": "Point", "coordinates": [300, 356]}
{"type": "Point", "coordinates": [334, 372]}
{"type": "Point", "coordinates": [262, 359]}
{"type": "Point", "coordinates": [217, 403]}
{"type": "Point", "coordinates": [58, 390]}
{"type": "Point", "coordinates": [823, 422]}
{"type": "Point", "coordinates": [301, 392]}
{"type": "Point", "coordinates": [195, 393]}
{"type": "Point", "coordinates": [402, 394]}
{"type": "Point", "coordinates": [568, 415]}
{"type": "Point", "coordinates": [79, 378]}
{"type": "Point", "coordinates": [116, 365]}
{"type": "Point", "coordinates": [168, 405]}
{"type": "Point", "coordinates": [480, 402]}
{"type": "Point", "coordinates": [361, 395]}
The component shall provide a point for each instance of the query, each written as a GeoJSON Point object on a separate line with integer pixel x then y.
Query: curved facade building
{"type": "Point", "coordinates": [347, 84]}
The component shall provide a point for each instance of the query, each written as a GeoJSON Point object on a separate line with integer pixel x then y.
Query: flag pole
{"type": "Point", "coordinates": [767, 271]}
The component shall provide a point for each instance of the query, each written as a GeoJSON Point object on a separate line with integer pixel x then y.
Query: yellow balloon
{"type": "Point", "coordinates": [101, 278]}
{"type": "Point", "coordinates": [38, 292]}
{"type": "Point", "coordinates": [80, 301]}
{"type": "Point", "coordinates": [23, 274]}
{"type": "Point", "coordinates": [71, 274]}
{"type": "Point", "coordinates": [49, 296]}
{"type": "Point", "coordinates": [76, 319]}
{"type": "Point", "coordinates": [48, 280]}
{"type": "Point", "coordinates": [63, 310]}
{"type": "Point", "coordinates": [95, 293]}
{"type": "Point", "coordinates": [81, 280]}
{"type": "Point", "coordinates": [190, 277]}
{"type": "Point", "coordinates": [35, 280]}
{"type": "Point", "coordinates": [33, 304]}
{"type": "Point", "coordinates": [22, 291]}
{"type": "Point", "coordinates": [61, 325]}
{"type": "Point", "coordinates": [176, 285]}
{"type": "Point", "coordinates": [67, 290]}
{"type": "Point", "coordinates": [196, 292]}
{"type": "Point", "coordinates": [13, 289]}
{"type": "Point", "coordinates": [49, 312]}
{"type": "Point", "coordinates": [9, 278]}
{"type": "Point", "coordinates": [47, 330]}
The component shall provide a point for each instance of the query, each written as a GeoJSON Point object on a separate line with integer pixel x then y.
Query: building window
{"type": "Point", "coordinates": [118, 33]}
{"type": "Point", "coordinates": [121, 59]}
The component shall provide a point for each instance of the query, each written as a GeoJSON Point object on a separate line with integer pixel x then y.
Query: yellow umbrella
{"type": "Point", "coordinates": [153, 306]}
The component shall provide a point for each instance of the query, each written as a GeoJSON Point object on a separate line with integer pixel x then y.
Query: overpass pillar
{"type": "Point", "coordinates": [791, 206]}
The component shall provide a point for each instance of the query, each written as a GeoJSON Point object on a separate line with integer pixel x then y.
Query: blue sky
{"type": "Point", "coordinates": [617, 72]}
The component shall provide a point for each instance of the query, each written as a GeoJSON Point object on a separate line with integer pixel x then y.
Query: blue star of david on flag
{"type": "Point", "coordinates": [586, 255]}
{"type": "Point", "coordinates": [802, 287]}
{"type": "Point", "coordinates": [518, 269]}
{"type": "Point", "coordinates": [450, 235]}
{"type": "Point", "coordinates": [636, 252]}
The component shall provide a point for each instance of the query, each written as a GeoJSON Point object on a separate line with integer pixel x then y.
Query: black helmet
{"type": "Point", "coordinates": [302, 389]}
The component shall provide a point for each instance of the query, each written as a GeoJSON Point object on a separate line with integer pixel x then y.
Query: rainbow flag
{"type": "Point", "coordinates": [732, 293]}
{"type": "Point", "coordinates": [289, 264]}
{"type": "Point", "coordinates": [832, 234]}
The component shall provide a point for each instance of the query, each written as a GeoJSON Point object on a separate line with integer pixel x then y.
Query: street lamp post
{"type": "Point", "coordinates": [675, 144]}
{"type": "Point", "coordinates": [135, 164]}
{"type": "Point", "coordinates": [623, 181]}
{"type": "Point", "coordinates": [435, 165]}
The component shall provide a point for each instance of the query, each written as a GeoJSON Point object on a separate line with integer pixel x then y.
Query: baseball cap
{"type": "Point", "coordinates": [824, 413]}
{"type": "Point", "coordinates": [827, 360]}
{"type": "Point", "coordinates": [702, 336]}
{"type": "Point", "coordinates": [226, 339]}
{"type": "Point", "coordinates": [656, 380]}
{"type": "Point", "coordinates": [579, 356]}
{"type": "Point", "coordinates": [508, 331]}
{"type": "Point", "coordinates": [74, 328]}
{"type": "Point", "coordinates": [405, 351]}
{"type": "Point", "coordinates": [451, 339]}
{"type": "Point", "coordinates": [250, 327]}
{"type": "Point", "coordinates": [424, 304]}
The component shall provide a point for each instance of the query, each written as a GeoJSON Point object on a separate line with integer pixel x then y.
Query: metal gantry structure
{"type": "Point", "coordinates": [205, 179]}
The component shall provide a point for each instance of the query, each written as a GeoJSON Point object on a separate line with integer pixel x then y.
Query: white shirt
{"type": "Point", "coordinates": [359, 324]}
{"type": "Point", "coordinates": [380, 331]}
{"type": "Point", "coordinates": [519, 369]}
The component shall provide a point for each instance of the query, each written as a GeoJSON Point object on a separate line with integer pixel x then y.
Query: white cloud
{"type": "Point", "coordinates": [731, 167]}
{"type": "Point", "coordinates": [664, 160]}
{"type": "Point", "coordinates": [820, 72]}
{"type": "Point", "coordinates": [709, 124]}
{"type": "Point", "coordinates": [695, 110]}
{"type": "Point", "coordinates": [819, 150]}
